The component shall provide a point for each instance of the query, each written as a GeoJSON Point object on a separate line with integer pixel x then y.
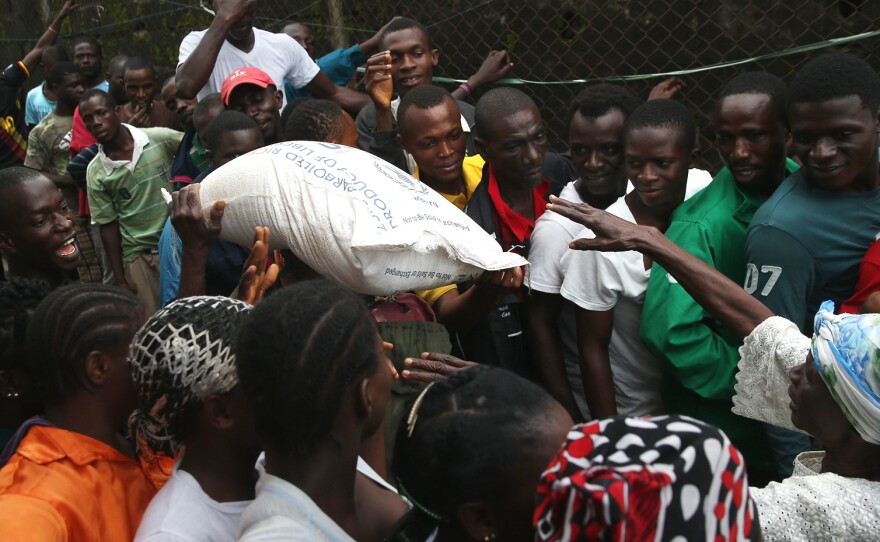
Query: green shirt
{"type": "Point", "coordinates": [698, 353]}
{"type": "Point", "coordinates": [197, 153]}
{"type": "Point", "coordinates": [49, 150]}
{"type": "Point", "coordinates": [132, 194]}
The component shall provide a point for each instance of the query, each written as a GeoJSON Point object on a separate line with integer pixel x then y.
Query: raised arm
{"type": "Point", "coordinates": [195, 71]}
{"type": "Point", "coordinates": [50, 36]}
{"type": "Point", "coordinates": [496, 65]}
{"type": "Point", "coordinates": [724, 299]}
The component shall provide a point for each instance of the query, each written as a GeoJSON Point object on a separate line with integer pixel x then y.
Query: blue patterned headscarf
{"type": "Point", "coordinates": [846, 349]}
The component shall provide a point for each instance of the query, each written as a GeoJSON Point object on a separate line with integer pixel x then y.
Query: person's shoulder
{"type": "Point", "coordinates": [786, 204]}
{"type": "Point", "coordinates": [33, 95]}
{"type": "Point", "coordinates": [465, 108]}
{"type": "Point", "coordinates": [717, 198]}
{"type": "Point", "coordinates": [195, 35]}
{"type": "Point", "coordinates": [163, 135]}
{"type": "Point", "coordinates": [620, 209]}
{"type": "Point", "coordinates": [273, 38]}
{"type": "Point", "coordinates": [366, 118]}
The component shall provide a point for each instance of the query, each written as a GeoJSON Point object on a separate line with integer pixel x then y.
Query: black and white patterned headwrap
{"type": "Point", "coordinates": [180, 356]}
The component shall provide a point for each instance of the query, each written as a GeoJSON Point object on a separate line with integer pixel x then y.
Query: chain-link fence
{"type": "Point", "coordinates": [554, 44]}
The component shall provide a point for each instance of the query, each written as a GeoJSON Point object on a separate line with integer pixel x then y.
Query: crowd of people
{"type": "Point", "coordinates": [687, 356]}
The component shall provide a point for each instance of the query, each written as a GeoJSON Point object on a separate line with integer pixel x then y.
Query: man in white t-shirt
{"type": "Point", "coordinates": [231, 42]}
{"type": "Point", "coordinates": [619, 374]}
{"type": "Point", "coordinates": [596, 121]}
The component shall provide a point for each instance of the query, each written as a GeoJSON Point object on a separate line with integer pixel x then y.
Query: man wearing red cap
{"type": "Point", "coordinates": [251, 91]}
{"type": "Point", "coordinates": [231, 42]}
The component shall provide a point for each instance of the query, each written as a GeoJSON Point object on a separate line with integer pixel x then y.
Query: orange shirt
{"type": "Point", "coordinates": [65, 486]}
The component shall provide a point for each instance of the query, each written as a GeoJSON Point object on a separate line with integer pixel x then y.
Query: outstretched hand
{"type": "Point", "coordinates": [256, 279]}
{"type": "Point", "coordinates": [496, 65]}
{"type": "Point", "coordinates": [613, 234]}
{"type": "Point", "coordinates": [432, 366]}
{"type": "Point", "coordinates": [192, 226]}
{"type": "Point", "coordinates": [667, 89]}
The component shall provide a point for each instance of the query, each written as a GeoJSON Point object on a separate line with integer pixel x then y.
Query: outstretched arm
{"type": "Point", "coordinates": [724, 299]}
{"type": "Point", "coordinates": [50, 36]}
{"type": "Point", "coordinates": [496, 65]}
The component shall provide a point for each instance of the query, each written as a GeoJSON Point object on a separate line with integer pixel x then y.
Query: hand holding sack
{"type": "Point", "coordinates": [352, 217]}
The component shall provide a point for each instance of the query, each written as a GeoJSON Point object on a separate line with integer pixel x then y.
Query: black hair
{"type": "Point", "coordinates": [18, 299]}
{"type": "Point", "coordinates": [227, 121]}
{"type": "Point", "coordinates": [595, 101]}
{"type": "Point", "coordinates": [836, 75]}
{"type": "Point", "coordinates": [92, 92]}
{"type": "Point", "coordinates": [59, 71]}
{"type": "Point", "coordinates": [315, 120]}
{"type": "Point", "coordinates": [297, 354]}
{"type": "Point", "coordinates": [169, 79]}
{"type": "Point", "coordinates": [54, 53]}
{"type": "Point", "coordinates": [91, 40]}
{"type": "Point", "coordinates": [499, 103]}
{"type": "Point", "coordinates": [138, 63]}
{"type": "Point", "coordinates": [10, 178]}
{"type": "Point", "coordinates": [181, 355]}
{"type": "Point", "coordinates": [72, 322]}
{"type": "Point", "coordinates": [119, 60]}
{"type": "Point", "coordinates": [405, 23]}
{"type": "Point", "coordinates": [760, 83]}
{"type": "Point", "coordinates": [664, 114]}
{"type": "Point", "coordinates": [206, 105]}
{"type": "Point", "coordinates": [469, 430]}
{"type": "Point", "coordinates": [291, 106]}
{"type": "Point", "coordinates": [423, 97]}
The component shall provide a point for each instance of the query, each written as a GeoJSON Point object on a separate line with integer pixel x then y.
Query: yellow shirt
{"type": "Point", "coordinates": [472, 170]}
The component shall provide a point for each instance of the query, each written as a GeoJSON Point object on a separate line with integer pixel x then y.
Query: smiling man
{"type": "Point", "coordinates": [805, 243]}
{"type": "Point", "coordinates": [251, 91]}
{"type": "Point", "coordinates": [620, 376]}
{"type": "Point", "coordinates": [36, 227]}
{"type": "Point", "coordinates": [699, 354]}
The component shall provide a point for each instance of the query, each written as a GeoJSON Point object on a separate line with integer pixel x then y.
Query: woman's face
{"type": "Point", "coordinates": [813, 409]}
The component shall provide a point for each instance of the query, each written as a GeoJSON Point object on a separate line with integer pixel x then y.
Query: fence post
{"type": "Point", "coordinates": [338, 34]}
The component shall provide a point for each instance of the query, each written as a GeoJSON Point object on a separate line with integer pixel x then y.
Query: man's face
{"type": "Point", "coordinates": [515, 146]}
{"type": "Point", "coordinates": [303, 35]}
{"type": "Point", "coordinates": [140, 86]}
{"type": "Point", "coordinates": [412, 61]}
{"type": "Point", "coordinates": [751, 140]}
{"type": "Point", "coordinates": [100, 118]}
{"type": "Point", "coordinates": [85, 55]}
{"type": "Point", "coordinates": [182, 108]}
{"type": "Point", "coordinates": [597, 151]}
{"type": "Point", "coordinates": [242, 29]}
{"type": "Point", "coordinates": [436, 141]}
{"type": "Point", "coordinates": [261, 104]}
{"type": "Point", "coordinates": [232, 144]}
{"type": "Point", "coordinates": [836, 141]}
{"type": "Point", "coordinates": [37, 227]}
{"type": "Point", "coordinates": [70, 89]}
{"type": "Point", "coordinates": [657, 162]}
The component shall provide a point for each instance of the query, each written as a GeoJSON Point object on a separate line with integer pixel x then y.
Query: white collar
{"type": "Point", "coordinates": [140, 141]}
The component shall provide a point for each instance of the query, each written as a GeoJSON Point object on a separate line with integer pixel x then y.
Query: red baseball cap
{"type": "Point", "coordinates": [244, 76]}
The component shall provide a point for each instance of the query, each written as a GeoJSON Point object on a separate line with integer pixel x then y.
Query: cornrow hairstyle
{"type": "Point", "coordinates": [92, 92]}
{"type": "Point", "coordinates": [466, 433]}
{"type": "Point", "coordinates": [405, 23]}
{"type": "Point", "coordinates": [315, 120]}
{"type": "Point", "coordinates": [760, 83]}
{"type": "Point", "coordinates": [227, 121]}
{"type": "Point", "coordinates": [595, 101]}
{"type": "Point", "coordinates": [18, 299]}
{"type": "Point", "coordinates": [138, 63]}
{"type": "Point", "coordinates": [59, 71]}
{"type": "Point", "coordinates": [664, 114]}
{"type": "Point", "coordinates": [836, 75]}
{"type": "Point", "coordinates": [298, 353]}
{"type": "Point", "coordinates": [291, 107]}
{"type": "Point", "coordinates": [423, 97]}
{"type": "Point", "coordinates": [71, 322]}
{"type": "Point", "coordinates": [183, 354]}
{"type": "Point", "coordinates": [206, 105]}
{"type": "Point", "coordinates": [499, 103]}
